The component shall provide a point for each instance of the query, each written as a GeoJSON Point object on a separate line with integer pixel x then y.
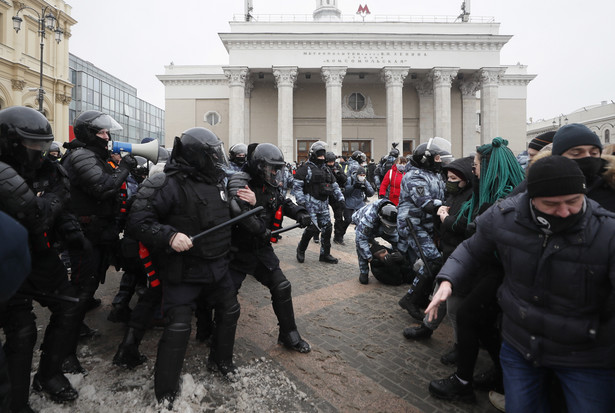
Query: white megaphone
{"type": "Point", "coordinates": [147, 150]}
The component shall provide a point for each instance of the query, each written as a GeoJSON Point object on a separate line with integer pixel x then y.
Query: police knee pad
{"type": "Point", "coordinates": [228, 314]}
{"type": "Point", "coordinates": [180, 316]}
{"type": "Point", "coordinates": [20, 339]}
{"type": "Point", "coordinates": [281, 290]}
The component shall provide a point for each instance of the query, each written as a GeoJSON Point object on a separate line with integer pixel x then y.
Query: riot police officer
{"type": "Point", "coordinates": [170, 207]}
{"type": "Point", "coordinates": [251, 238]}
{"type": "Point", "coordinates": [314, 186]}
{"type": "Point", "coordinates": [35, 191]}
{"type": "Point", "coordinates": [421, 194]}
{"type": "Point", "coordinates": [96, 199]}
{"type": "Point", "coordinates": [237, 156]}
{"type": "Point", "coordinates": [339, 227]}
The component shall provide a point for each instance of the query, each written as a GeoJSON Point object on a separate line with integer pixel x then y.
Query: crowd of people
{"type": "Point", "coordinates": [516, 251]}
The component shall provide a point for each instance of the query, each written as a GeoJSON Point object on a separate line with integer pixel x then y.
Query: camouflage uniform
{"type": "Point", "coordinates": [367, 228]}
{"type": "Point", "coordinates": [418, 188]}
{"type": "Point", "coordinates": [318, 208]}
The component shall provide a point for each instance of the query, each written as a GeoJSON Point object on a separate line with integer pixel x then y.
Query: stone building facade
{"type": "Point", "coordinates": [356, 85]}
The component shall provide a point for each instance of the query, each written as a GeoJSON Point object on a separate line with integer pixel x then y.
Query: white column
{"type": "Point", "coordinates": [285, 78]}
{"type": "Point", "coordinates": [489, 81]}
{"type": "Point", "coordinates": [469, 107]}
{"type": "Point", "coordinates": [394, 81]}
{"type": "Point", "coordinates": [247, 108]}
{"type": "Point", "coordinates": [333, 77]}
{"type": "Point", "coordinates": [442, 78]}
{"type": "Point", "coordinates": [424, 89]}
{"type": "Point", "coordinates": [236, 82]}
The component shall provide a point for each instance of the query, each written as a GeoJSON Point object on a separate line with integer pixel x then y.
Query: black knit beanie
{"type": "Point", "coordinates": [541, 140]}
{"type": "Point", "coordinates": [554, 176]}
{"type": "Point", "coordinates": [572, 135]}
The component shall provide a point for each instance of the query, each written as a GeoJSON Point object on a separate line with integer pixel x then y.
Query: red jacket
{"type": "Point", "coordinates": [392, 182]}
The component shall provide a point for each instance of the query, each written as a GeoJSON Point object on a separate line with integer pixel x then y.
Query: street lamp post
{"type": "Point", "coordinates": [46, 20]}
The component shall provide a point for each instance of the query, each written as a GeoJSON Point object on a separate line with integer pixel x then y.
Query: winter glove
{"type": "Point", "coordinates": [129, 162]}
{"type": "Point", "coordinates": [304, 219]}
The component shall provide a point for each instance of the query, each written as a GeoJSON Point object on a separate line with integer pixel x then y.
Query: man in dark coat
{"type": "Point", "coordinates": [556, 247]}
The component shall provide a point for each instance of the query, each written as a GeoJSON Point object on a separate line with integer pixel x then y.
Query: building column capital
{"type": "Point", "coordinates": [17, 84]}
{"type": "Point", "coordinates": [423, 86]}
{"type": "Point", "coordinates": [249, 86]}
{"type": "Point", "coordinates": [394, 76]}
{"type": "Point", "coordinates": [443, 76]}
{"type": "Point", "coordinates": [469, 88]}
{"type": "Point", "coordinates": [333, 76]}
{"type": "Point", "coordinates": [490, 76]}
{"type": "Point", "coordinates": [236, 75]}
{"type": "Point", "coordinates": [285, 75]}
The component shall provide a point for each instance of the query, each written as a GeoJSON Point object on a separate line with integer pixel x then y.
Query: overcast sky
{"type": "Point", "coordinates": [568, 44]}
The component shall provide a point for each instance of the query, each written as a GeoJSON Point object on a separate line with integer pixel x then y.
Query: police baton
{"type": "Point", "coordinates": [227, 223]}
{"type": "Point", "coordinates": [418, 245]}
{"type": "Point", "coordinates": [42, 295]}
{"type": "Point", "coordinates": [279, 231]}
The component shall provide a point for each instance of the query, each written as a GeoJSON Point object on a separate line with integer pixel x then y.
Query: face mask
{"type": "Point", "coordinates": [437, 167]}
{"type": "Point", "coordinates": [319, 161]}
{"type": "Point", "coordinates": [452, 187]}
{"type": "Point", "coordinates": [361, 178]}
{"type": "Point", "coordinates": [555, 224]}
{"type": "Point", "coordinates": [590, 166]}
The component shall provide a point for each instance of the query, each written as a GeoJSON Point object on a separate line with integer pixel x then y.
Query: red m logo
{"type": "Point", "coordinates": [363, 10]}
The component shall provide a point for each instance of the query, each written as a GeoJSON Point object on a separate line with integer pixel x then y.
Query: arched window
{"type": "Point", "coordinates": [213, 118]}
{"type": "Point", "coordinates": [607, 136]}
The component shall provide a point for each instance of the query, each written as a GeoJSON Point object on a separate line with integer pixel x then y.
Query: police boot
{"type": "Point", "coordinates": [20, 341]}
{"type": "Point", "coordinates": [303, 244]}
{"type": "Point", "coordinates": [171, 352]}
{"type": "Point", "coordinates": [49, 377]}
{"type": "Point", "coordinates": [128, 352]}
{"type": "Point", "coordinates": [223, 342]}
{"type": "Point", "coordinates": [418, 332]}
{"type": "Point", "coordinates": [120, 313]}
{"type": "Point", "coordinates": [325, 246]}
{"type": "Point", "coordinates": [282, 302]}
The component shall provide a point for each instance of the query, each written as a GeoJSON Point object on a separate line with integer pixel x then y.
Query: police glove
{"type": "Point", "coordinates": [266, 236]}
{"type": "Point", "coordinates": [129, 162]}
{"type": "Point", "coordinates": [304, 219]}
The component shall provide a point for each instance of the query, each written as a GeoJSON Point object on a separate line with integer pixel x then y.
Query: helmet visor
{"type": "Point", "coordinates": [218, 155]}
{"type": "Point", "coordinates": [37, 144]}
{"type": "Point", "coordinates": [388, 227]}
{"type": "Point", "coordinates": [105, 121]}
{"type": "Point", "coordinates": [272, 174]}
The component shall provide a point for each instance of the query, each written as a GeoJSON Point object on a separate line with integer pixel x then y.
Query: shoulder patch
{"type": "Point", "coordinates": [420, 190]}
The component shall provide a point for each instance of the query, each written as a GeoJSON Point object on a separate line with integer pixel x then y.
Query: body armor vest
{"type": "Point", "coordinates": [320, 185]}
{"type": "Point", "coordinates": [204, 207]}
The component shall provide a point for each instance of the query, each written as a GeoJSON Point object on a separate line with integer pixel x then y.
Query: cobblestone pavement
{"type": "Point", "coordinates": [360, 360]}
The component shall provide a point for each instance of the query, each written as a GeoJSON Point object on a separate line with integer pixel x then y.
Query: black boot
{"type": "Point", "coordinates": [128, 352]}
{"type": "Point", "coordinates": [282, 302]}
{"type": "Point", "coordinates": [171, 352]}
{"type": "Point", "coordinates": [303, 244]}
{"type": "Point", "coordinates": [363, 278]}
{"type": "Point", "coordinates": [407, 303]}
{"type": "Point", "coordinates": [223, 342]}
{"type": "Point", "coordinates": [325, 246]}
{"type": "Point", "coordinates": [450, 358]}
{"type": "Point", "coordinates": [57, 387]}
{"type": "Point", "coordinates": [19, 346]}
{"type": "Point", "coordinates": [71, 365]}
{"type": "Point", "coordinates": [418, 333]}
{"type": "Point", "coordinates": [451, 388]}
{"type": "Point", "coordinates": [328, 258]}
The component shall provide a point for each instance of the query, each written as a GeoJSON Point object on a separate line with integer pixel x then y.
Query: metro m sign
{"type": "Point", "coordinates": [363, 10]}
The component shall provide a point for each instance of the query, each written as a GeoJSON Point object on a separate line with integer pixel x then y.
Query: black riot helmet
{"type": "Point", "coordinates": [359, 156]}
{"type": "Point", "coordinates": [91, 122]}
{"type": "Point", "coordinates": [424, 156]}
{"type": "Point", "coordinates": [318, 148]}
{"type": "Point", "coordinates": [25, 134]}
{"type": "Point", "coordinates": [238, 153]}
{"type": "Point", "coordinates": [330, 157]}
{"type": "Point", "coordinates": [267, 163]}
{"type": "Point", "coordinates": [201, 149]}
{"type": "Point", "coordinates": [388, 217]}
